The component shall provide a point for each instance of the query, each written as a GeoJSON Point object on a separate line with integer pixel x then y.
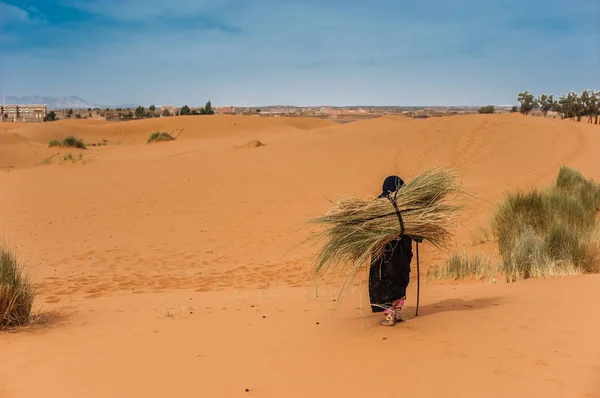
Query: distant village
{"type": "Point", "coordinates": [571, 105]}
{"type": "Point", "coordinates": [40, 112]}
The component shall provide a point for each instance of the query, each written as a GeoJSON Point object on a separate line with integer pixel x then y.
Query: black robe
{"type": "Point", "coordinates": [389, 274]}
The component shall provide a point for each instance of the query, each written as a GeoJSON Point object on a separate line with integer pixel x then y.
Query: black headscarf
{"type": "Point", "coordinates": [391, 184]}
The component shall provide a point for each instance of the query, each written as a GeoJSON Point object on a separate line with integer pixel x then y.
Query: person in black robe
{"type": "Point", "coordinates": [389, 274]}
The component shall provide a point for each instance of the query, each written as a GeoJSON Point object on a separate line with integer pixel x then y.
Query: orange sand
{"type": "Point", "coordinates": [156, 263]}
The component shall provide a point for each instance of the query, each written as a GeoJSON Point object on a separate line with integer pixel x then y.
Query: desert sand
{"type": "Point", "coordinates": [174, 268]}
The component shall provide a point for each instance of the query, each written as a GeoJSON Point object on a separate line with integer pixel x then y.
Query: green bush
{"type": "Point", "coordinates": [16, 292]}
{"type": "Point", "coordinates": [50, 117]}
{"type": "Point", "coordinates": [487, 109]}
{"type": "Point", "coordinates": [587, 191]}
{"type": "Point", "coordinates": [549, 232]}
{"type": "Point", "coordinates": [160, 136]}
{"type": "Point", "coordinates": [72, 142]}
{"type": "Point", "coordinates": [69, 142]}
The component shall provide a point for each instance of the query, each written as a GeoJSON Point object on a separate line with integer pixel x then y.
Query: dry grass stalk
{"type": "Point", "coordinates": [464, 266]}
{"type": "Point", "coordinates": [355, 229]}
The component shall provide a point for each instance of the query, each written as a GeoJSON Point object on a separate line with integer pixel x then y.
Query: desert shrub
{"type": "Point", "coordinates": [50, 117]}
{"type": "Point", "coordinates": [69, 142]}
{"type": "Point", "coordinates": [586, 191]}
{"type": "Point", "coordinates": [72, 142]}
{"type": "Point", "coordinates": [101, 143]}
{"type": "Point", "coordinates": [487, 109]}
{"type": "Point", "coordinates": [462, 266]}
{"type": "Point", "coordinates": [16, 292]}
{"type": "Point", "coordinates": [160, 136]}
{"type": "Point", "coordinates": [549, 232]}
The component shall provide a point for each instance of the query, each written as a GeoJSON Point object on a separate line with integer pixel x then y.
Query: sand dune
{"type": "Point", "coordinates": [155, 254]}
{"type": "Point", "coordinates": [134, 132]}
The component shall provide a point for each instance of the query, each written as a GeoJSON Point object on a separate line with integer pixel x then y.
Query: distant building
{"type": "Point", "coordinates": [23, 113]}
{"type": "Point", "coordinates": [171, 109]}
{"type": "Point", "coordinates": [225, 110]}
{"type": "Point", "coordinates": [276, 111]}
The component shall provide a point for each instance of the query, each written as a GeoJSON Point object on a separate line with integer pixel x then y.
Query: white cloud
{"type": "Point", "coordinates": [12, 14]}
{"type": "Point", "coordinates": [145, 10]}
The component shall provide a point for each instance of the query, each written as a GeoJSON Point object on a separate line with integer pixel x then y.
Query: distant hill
{"type": "Point", "coordinates": [70, 102]}
{"type": "Point", "coordinates": [123, 106]}
{"type": "Point", "coordinates": [53, 102]}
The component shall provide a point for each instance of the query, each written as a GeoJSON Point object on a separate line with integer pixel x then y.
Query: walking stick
{"type": "Point", "coordinates": [418, 281]}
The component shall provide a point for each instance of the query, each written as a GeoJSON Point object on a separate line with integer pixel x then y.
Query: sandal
{"type": "Point", "coordinates": [398, 317]}
{"type": "Point", "coordinates": [397, 307]}
{"type": "Point", "coordinates": [389, 319]}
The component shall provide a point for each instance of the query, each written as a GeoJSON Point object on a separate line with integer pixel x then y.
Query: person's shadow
{"type": "Point", "coordinates": [452, 305]}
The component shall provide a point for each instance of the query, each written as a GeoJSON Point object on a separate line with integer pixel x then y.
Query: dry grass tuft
{"type": "Point", "coordinates": [68, 142]}
{"type": "Point", "coordinates": [16, 292]}
{"type": "Point", "coordinates": [160, 136]}
{"type": "Point", "coordinates": [462, 266]}
{"type": "Point", "coordinates": [550, 232]}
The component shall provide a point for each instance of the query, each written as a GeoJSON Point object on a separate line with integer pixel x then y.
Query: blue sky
{"type": "Point", "coordinates": [301, 52]}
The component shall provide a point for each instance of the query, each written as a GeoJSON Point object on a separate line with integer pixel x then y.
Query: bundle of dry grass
{"type": "Point", "coordinates": [356, 229]}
